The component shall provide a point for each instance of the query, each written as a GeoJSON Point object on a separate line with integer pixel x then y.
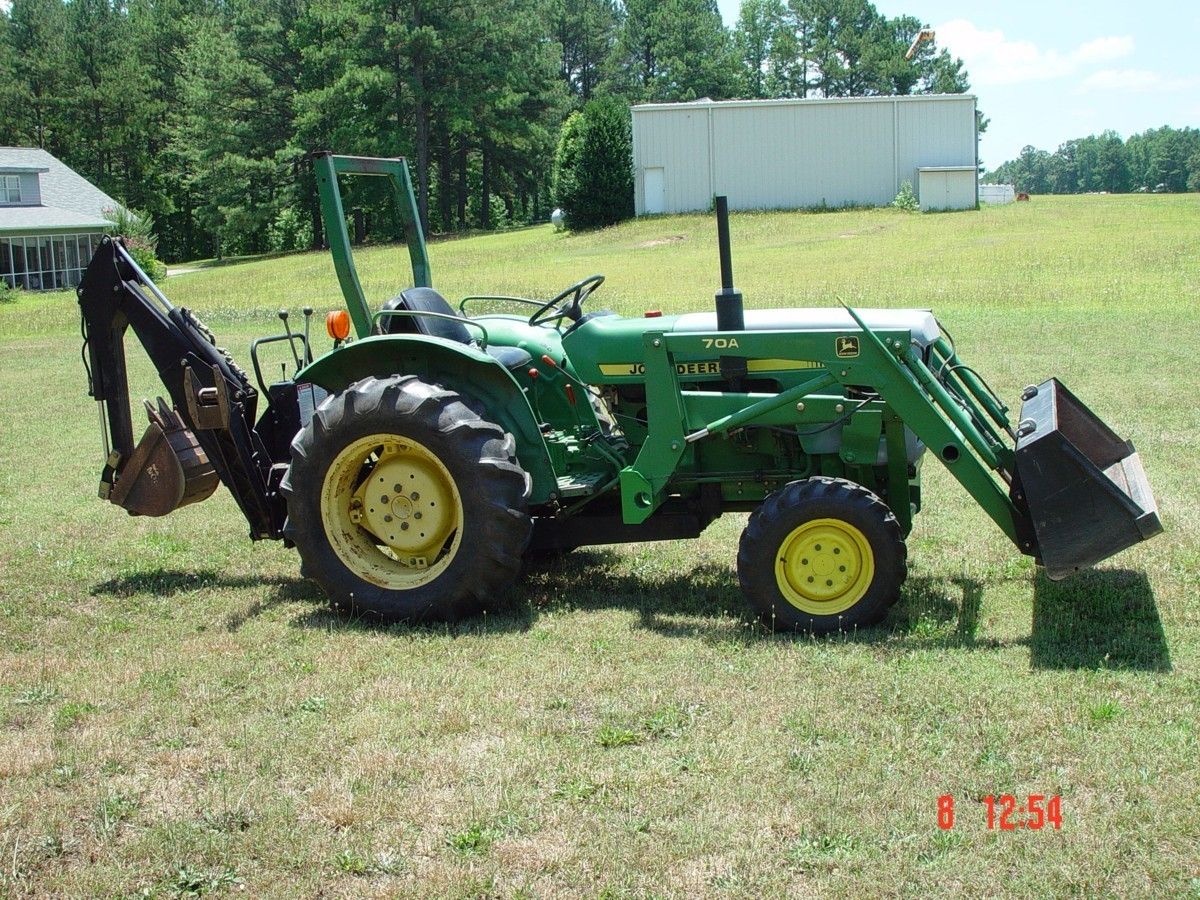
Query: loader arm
{"type": "Point", "coordinates": [211, 428]}
{"type": "Point", "coordinates": [1061, 485]}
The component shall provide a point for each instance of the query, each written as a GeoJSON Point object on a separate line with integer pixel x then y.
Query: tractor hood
{"type": "Point", "coordinates": [920, 323]}
{"type": "Point", "coordinates": [609, 347]}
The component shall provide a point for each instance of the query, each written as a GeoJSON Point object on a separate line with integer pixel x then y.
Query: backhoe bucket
{"type": "Point", "coordinates": [167, 469]}
{"type": "Point", "coordinates": [1084, 486]}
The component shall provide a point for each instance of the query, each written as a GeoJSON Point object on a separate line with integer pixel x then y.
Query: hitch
{"type": "Point", "coordinates": [208, 407]}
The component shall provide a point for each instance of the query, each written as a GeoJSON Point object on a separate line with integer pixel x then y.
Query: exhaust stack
{"type": "Point", "coordinates": [730, 310]}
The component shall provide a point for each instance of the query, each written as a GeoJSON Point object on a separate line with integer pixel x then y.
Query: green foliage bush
{"type": "Point", "coordinates": [138, 230]}
{"type": "Point", "coordinates": [291, 229]}
{"type": "Point", "coordinates": [566, 158]}
{"type": "Point", "coordinates": [593, 167]}
{"type": "Point", "coordinates": [906, 199]}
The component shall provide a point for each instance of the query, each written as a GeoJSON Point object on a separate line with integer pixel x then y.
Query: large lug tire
{"type": "Point", "coordinates": [404, 503]}
{"type": "Point", "coordinates": [822, 555]}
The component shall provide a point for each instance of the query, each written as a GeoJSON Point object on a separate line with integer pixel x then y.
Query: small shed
{"type": "Point", "coordinates": [947, 187]}
{"type": "Point", "coordinates": [798, 153]}
{"type": "Point", "coordinates": [997, 193]}
{"type": "Point", "coordinates": [51, 219]}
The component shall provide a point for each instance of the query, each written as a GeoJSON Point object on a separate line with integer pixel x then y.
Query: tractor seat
{"type": "Point", "coordinates": [424, 299]}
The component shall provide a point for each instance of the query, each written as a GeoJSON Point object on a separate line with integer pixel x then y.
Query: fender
{"type": "Point", "coordinates": [462, 368]}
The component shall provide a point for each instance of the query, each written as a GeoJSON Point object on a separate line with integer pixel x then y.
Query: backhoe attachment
{"type": "Point", "coordinates": [208, 435]}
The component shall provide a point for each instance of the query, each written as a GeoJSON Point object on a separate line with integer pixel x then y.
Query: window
{"type": "Point", "coordinates": [52, 262]}
{"type": "Point", "coordinates": [12, 189]}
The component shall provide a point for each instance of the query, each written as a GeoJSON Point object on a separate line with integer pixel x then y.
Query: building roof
{"type": "Point", "coordinates": [68, 199]}
{"type": "Point", "coordinates": [705, 102]}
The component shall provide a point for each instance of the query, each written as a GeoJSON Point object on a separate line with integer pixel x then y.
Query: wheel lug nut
{"type": "Point", "coordinates": [383, 499]}
{"type": "Point", "coordinates": [415, 496]}
{"type": "Point", "coordinates": [387, 518]}
{"type": "Point", "coordinates": [404, 526]}
{"type": "Point", "coordinates": [396, 488]}
{"type": "Point", "coordinates": [416, 515]}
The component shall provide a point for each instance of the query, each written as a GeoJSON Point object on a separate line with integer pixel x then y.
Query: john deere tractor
{"type": "Point", "coordinates": [415, 464]}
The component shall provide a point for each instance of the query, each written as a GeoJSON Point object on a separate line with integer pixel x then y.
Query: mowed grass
{"type": "Point", "coordinates": [180, 714]}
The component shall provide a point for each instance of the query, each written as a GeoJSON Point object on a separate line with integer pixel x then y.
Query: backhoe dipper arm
{"type": "Point", "coordinates": [213, 398]}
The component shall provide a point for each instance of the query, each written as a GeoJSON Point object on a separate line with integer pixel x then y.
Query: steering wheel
{"type": "Point", "coordinates": [558, 306]}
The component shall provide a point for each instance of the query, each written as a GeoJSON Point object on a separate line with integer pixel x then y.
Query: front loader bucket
{"type": "Point", "coordinates": [1084, 486]}
{"type": "Point", "coordinates": [167, 469]}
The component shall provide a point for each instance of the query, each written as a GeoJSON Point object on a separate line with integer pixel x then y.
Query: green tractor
{"type": "Point", "coordinates": [417, 464]}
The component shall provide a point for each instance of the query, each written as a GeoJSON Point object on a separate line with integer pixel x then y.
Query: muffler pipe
{"type": "Point", "coordinates": [730, 311]}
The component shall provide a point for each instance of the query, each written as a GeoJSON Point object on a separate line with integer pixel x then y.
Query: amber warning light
{"type": "Point", "coordinates": [337, 324]}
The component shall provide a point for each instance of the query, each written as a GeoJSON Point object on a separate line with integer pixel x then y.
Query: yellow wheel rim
{"type": "Point", "coordinates": [392, 512]}
{"type": "Point", "coordinates": [824, 567]}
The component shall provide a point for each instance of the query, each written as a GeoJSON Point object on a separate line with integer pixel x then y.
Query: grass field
{"type": "Point", "coordinates": [180, 715]}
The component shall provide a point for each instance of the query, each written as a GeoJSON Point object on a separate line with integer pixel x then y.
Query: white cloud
{"type": "Point", "coordinates": [1135, 81]}
{"type": "Point", "coordinates": [1104, 49]}
{"type": "Point", "coordinates": [992, 58]}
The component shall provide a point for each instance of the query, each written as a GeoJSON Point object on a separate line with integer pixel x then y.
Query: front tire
{"type": "Point", "coordinates": [822, 555]}
{"type": "Point", "coordinates": [404, 503]}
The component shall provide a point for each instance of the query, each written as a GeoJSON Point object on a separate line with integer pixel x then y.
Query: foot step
{"type": "Point", "coordinates": [579, 485]}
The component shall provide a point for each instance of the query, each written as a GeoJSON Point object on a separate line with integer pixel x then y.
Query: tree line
{"type": "Point", "coordinates": [202, 113]}
{"type": "Point", "coordinates": [1160, 159]}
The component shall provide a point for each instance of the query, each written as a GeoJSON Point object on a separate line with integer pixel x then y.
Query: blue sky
{"type": "Point", "coordinates": [1045, 72]}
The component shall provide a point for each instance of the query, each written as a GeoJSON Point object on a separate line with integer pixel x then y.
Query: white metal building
{"type": "Point", "coordinates": [783, 154]}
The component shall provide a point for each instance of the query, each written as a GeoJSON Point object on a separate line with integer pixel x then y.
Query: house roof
{"type": "Point", "coordinates": [68, 199]}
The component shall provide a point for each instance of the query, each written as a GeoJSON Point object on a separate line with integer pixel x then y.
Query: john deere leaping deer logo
{"type": "Point", "coordinates": [847, 346]}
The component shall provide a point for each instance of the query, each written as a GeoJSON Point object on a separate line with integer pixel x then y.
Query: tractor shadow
{"type": "Point", "coordinates": [706, 603]}
{"type": "Point", "coordinates": [171, 582]}
{"type": "Point", "coordinates": [1097, 619]}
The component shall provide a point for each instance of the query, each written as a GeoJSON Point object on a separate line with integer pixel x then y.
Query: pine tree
{"type": "Point", "coordinates": [9, 108]}
{"type": "Point", "coordinates": [587, 31]}
{"type": "Point", "coordinates": [674, 50]}
{"type": "Point", "coordinates": [760, 28]}
{"type": "Point", "coordinates": [39, 95]}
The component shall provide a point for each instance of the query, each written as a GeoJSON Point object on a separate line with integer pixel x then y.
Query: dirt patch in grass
{"type": "Point", "coordinates": [663, 241]}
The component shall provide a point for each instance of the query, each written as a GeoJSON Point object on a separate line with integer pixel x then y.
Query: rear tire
{"type": "Point", "coordinates": [404, 503]}
{"type": "Point", "coordinates": [822, 555]}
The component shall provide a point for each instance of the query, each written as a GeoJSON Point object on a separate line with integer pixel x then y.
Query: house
{"type": "Point", "coordinates": [50, 220]}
